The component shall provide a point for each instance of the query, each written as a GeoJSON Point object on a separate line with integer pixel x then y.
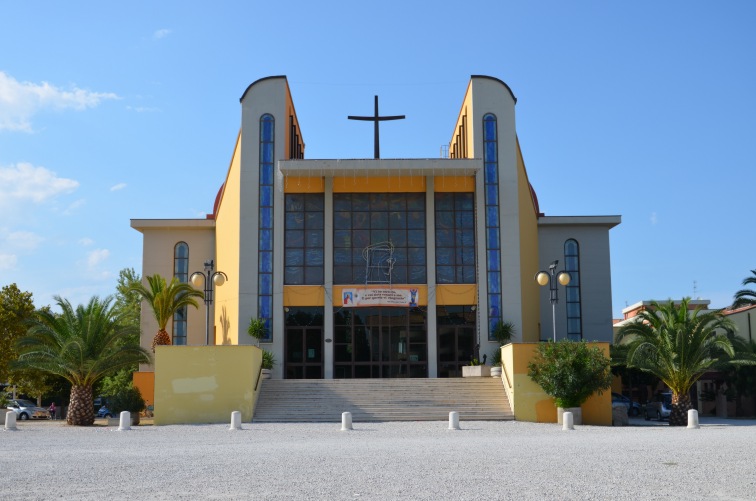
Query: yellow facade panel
{"type": "Point", "coordinates": [450, 184]}
{"type": "Point", "coordinates": [304, 184]}
{"type": "Point", "coordinates": [384, 184]}
{"type": "Point", "coordinates": [303, 295]}
{"type": "Point", "coordinates": [456, 294]}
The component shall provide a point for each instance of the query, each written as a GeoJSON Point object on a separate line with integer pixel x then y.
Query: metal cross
{"type": "Point", "coordinates": [375, 119]}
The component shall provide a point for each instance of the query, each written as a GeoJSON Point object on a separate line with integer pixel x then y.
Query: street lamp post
{"type": "Point", "coordinates": [551, 278]}
{"type": "Point", "coordinates": [209, 278]}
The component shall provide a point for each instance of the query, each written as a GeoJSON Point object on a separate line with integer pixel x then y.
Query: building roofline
{"type": "Point", "coordinates": [497, 80]}
{"type": "Point", "coordinates": [258, 81]}
{"type": "Point", "coordinates": [608, 221]}
{"type": "Point", "coordinates": [184, 224]}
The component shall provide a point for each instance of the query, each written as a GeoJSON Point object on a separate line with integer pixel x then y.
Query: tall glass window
{"type": "Point", "coordinates": [572, 291]}
{"type": "Point", "coordinates": [265, 241]}
{"type": "Point", "coordinates": [493, 245]}
{"type": "Point", "coordinates": [455, 238]}
{"type": "Point", "coordinates": [361, 220]}
{"type": "Point", "coordinates": [180, 271]}
{"type": "Point", "coordinates": [303, 240]}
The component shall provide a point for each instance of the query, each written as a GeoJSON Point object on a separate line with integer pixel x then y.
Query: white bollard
{"type": "Point", "coordinates": [10, 420]}
{"type": "Point", "coordinates": [235, 420]}
{"type": "Point", "coordinates": [567, 422]}
{"type": "Point", "coordinates": [693, 419]}
{"type": "Point", "coordinates": [454, 420]}
{"type": "Point", "coordinates": [346, 421]}
{"type": "Point", "coordinates": [125, 423]}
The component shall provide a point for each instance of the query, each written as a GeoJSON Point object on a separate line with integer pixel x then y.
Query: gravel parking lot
{"type": "Point", "coordinates": [414, 460]}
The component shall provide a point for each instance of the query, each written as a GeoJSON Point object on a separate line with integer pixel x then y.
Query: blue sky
{"type": "Point", "coordinates": [112, 111]}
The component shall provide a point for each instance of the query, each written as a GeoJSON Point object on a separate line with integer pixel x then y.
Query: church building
{"type": "Point", "coordinates": [381, 268]}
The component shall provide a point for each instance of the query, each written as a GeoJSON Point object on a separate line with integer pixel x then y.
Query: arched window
{"type": "Point", "coordinates": [265, 241]}
{"type": "Point", "coordinates": [572, 291]}
{"type": "Point", "coordinates": [180, 271]}
{"type": "Point", "coordinates": [493, 245]}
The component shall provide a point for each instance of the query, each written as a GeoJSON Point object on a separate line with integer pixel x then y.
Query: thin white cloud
{"type": "Point", "coordinates": [25, 182]}
{"type": "Point", "coordinates": [161, 33]}
{"type": "Point", "coordinates": [143, 109]}
{"type": "Point", "coordinates": [86, 242]}
{"type": "Point", "coordinates": [118, 186]}
{"type": "Point", "coordinates": [8, 261]}
{"type": "Point", "coordinates": [96, 257]}
{"type": "Point", "coordinates": [73, 206]}
{"type": "Point", "coordinates": [654, 219]}
{"type": "Point", "coordinates": [25, 240]}
{"type": "Point", "coordinates": [20, 101]}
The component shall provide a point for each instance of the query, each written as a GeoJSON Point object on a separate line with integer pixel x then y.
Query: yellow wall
{"type": "Point", "coordinates": [388, 184]}
{"type": "Point", "coordinates": [205, 384]}
{"type": "Point", "coordinates": [456, 294]}
{"type": "Point", "coordinates": [227, 234]}
{"type": "Point", "coordinates": [447, 184]}
{"type": "Point", "coordinates": [528, 256]}
{"type": "Point", "coordinates": [304, 184]}
{"type": "Point", "coordinates": [528, 400]}
{"type": "Point", "coordinates": [145, 382]}
{"type": "Point", "coordinates": [304, 295]}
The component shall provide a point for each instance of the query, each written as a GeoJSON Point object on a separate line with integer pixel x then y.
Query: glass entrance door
{"type": "Point", "coordinates": [380, 343]}
{"type": "Point", "coordinates": [303, 353]}
{"type": "Point", "coordinates": [456, 347]}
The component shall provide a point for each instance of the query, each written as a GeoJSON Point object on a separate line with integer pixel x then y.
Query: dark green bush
{"type": "Point", "coordinates": [570, 372]}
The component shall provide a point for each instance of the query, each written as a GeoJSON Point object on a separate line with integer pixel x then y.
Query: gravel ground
{"type": "Point", "coordinates": [416, 460]}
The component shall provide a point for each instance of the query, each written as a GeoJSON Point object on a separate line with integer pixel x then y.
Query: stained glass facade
{"type": "Point", "coordinates": [493, 245]}
{"type": "Point", "coordinates": [265, 242]}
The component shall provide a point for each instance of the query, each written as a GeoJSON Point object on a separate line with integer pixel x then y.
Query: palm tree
{"type": "Point", "coordinates": [745, 297]}
{"type": "Point", "coordinates": [166, 299]}
{"type": "Point", "coordinates": [82, 345]}
{"type": "Point", "coordinates": [678, 346]}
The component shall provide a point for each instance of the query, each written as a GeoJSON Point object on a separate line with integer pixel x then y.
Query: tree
{"type": "Point", "coordinates": [746, 297]}
{"type": "Point", "coordinates": [16, 308]}
{"type": "Point", "coordinates": [678, 346]}
{"type": "Point", "coordinates": [128, 303]}
{"type": "Point", "coordinates": [82, 345]}
{"type": "Point", "coordinates": [165, 299]}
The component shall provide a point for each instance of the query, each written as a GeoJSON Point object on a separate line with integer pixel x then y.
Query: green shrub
{"type": "Point", "coordinates": [128, 399]}
{"type": "Point", "coordinates": [268, 359]}
{"type": "Point", "coordinates": [570, 372]}
{"type": "Point", "coordinates": [256, 328]}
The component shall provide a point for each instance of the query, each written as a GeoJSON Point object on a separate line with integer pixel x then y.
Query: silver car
{"type": "Point", "coordinates": [25, 409]}
{"type": "Point", "coordinates": [660, 408]}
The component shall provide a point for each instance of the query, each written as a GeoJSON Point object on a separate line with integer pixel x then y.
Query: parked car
{"type": "Point", "coordinates": [660, 408]}
{"type": "Point", "coordinates": [25, 409]}
{"type": "Point", "coordinates": [104, 412]}
{"type": "Point", "coordinates": [633, 408]}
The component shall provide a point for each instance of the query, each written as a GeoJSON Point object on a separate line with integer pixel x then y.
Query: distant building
{"type": "Point", "coordinates": [382, 267]}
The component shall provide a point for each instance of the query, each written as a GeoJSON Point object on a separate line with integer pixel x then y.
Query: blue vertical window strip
{"type": "Point", "coordinates": [493, 254]}
{"type": "Point", "coordinates": [572, 290]}
{"type": "Point", "coordinates": [265, 241]}
{"type": "Point", "coordinates": [180, 271]}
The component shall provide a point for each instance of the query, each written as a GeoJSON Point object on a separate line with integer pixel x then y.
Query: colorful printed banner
{"type": "Point", "coordinates": [355, 298]}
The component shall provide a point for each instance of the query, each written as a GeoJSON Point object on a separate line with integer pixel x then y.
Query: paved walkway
{"type": "Point", "coordinates": [415, 460]}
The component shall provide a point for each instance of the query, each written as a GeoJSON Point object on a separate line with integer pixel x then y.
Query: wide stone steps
{"type": "Point", "coordinates": [323, 400]}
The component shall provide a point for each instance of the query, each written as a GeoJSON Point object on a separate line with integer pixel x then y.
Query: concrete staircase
{"type": "Point", "coordinates": [323, 400]}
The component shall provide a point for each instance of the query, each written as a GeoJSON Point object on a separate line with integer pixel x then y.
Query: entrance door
{"type": "Point", "coordinates": [303, 353]}
{"type": "Point", "coordinates": [456, 347]}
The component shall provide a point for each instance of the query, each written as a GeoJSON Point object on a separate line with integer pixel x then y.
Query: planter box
{"type": "Point", "coordinates": [577, 414]}
{"type": "Point", "coordinates": [476, 371]}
